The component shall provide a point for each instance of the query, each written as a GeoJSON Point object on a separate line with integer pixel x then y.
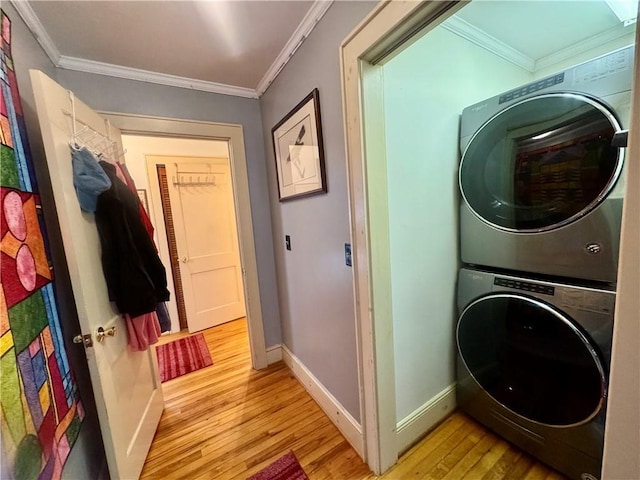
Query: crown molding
{"type": "Point", "coordinates": [100, 68]}
{"type": "Point", "coordinates": [31, 19]}
{"type": "Point", "coordinates": [467, 31]}
{"type": "Point", "coordinates": [311, 19]}
{"type": "Point", "coordinates": [592, 42]}
{"type": "Point", "coordinates": [308, 23]}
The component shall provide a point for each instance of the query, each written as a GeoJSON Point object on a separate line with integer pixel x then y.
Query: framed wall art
{"type": "Point", "coordinates": [142, 195]}
{"type": "Point", "coordinates": [298, 149]}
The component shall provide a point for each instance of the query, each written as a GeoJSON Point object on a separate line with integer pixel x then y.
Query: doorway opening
{"type": "Point", "coordinates": [229, 143]}
{"type": "Point", "coordinates": [190, 196]}
{"type": "Point", "coordinates": [402, 121]}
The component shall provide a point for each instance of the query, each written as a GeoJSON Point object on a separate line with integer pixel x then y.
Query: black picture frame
{"type": "Point", "coordinates": [299, 151]}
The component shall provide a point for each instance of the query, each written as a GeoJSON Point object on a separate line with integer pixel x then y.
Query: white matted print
{"type": "Point", "coordinates": [298, 149]}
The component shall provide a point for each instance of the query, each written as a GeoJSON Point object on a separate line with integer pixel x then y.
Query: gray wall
{"type": "Point", "coordinates": [129, 96]}
{"type": "Point", "coordinates": [315, 286]}
{"type": "Point", "coordinates": [28, 54]}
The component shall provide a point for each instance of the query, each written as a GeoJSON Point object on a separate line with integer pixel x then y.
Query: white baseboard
{"type": "Point", "coordinates": [417, 424]}
{"type": "Point", "coordinates": [347, 425]}
{"type": "Point", "coordinates": [274, 354]}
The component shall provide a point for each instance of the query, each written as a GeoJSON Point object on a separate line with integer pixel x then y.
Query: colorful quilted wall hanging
{"type": "Point", "coordinates": [40, 406]}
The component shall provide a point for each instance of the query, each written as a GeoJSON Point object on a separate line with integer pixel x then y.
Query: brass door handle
{"type": "Point", "coordinates": [102, 333]}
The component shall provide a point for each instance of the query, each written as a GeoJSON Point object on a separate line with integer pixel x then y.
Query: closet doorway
{"type": "Point", "coordinates": [390, 29]}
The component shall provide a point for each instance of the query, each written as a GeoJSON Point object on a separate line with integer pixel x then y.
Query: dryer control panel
{"type": "Point", "coordinates": [531, 88]}
{"type": "Point", "coordinates": [526, 286]}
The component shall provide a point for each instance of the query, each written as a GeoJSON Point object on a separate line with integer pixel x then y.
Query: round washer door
{"type": "Point", "coordinates": [531, 359]}
{"type": "Point", "coordinates": [541, 163]}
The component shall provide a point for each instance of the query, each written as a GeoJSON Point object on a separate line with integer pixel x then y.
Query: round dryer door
{"type": "Point", "coordinates": [531, 359]}
{"type": "Point", "coordinates": [541, 163]}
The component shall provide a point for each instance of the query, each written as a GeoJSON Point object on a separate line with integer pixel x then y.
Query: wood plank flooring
{"type": "Point", "coordinates": [228, 421]}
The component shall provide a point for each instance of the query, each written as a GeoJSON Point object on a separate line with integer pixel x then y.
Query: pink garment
{"type": "Point", "coordinates": [120, 173]}
{"type": "Point", "coordinates": [143, 330]}
{"type": "Point", "coordinates": [123, 173]}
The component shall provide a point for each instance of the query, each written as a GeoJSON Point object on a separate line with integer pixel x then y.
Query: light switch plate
{"type": "Point", "coordinates": [347, 254]}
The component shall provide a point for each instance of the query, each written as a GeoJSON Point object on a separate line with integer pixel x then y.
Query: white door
{"type": "Point", "coordinates": [126, 384]}
{"type": "Point", "coordinates": [203, 209]}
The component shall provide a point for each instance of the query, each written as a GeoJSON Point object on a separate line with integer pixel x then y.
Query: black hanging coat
{"type": "Point", "coordinates": [136, 278]}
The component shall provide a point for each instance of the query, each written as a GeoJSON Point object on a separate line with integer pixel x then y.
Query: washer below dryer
{"type": "Point", "coordinates": [533, 363]}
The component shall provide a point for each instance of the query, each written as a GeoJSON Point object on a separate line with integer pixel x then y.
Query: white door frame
{"type": "Point", "coordinates": [622, 430]}
{"type": "Point", "coordinates": [233, 135]}
{"type": "Point", "coordinates": [391, 27]}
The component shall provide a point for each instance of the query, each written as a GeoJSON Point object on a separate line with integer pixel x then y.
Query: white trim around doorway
{"type": "Point", "coordinates": [389, 29]}
{"type": "Point", "coordinates": [233, 135]}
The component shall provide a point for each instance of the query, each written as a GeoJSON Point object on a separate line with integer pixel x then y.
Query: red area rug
{"type": "Point", "coordinates": [285, 468]}
{"type": "Point", "coordinates": [183, 356]}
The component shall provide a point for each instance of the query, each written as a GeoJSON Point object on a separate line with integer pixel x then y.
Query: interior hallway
{"type": "Point", "coordinates": [228, 421]}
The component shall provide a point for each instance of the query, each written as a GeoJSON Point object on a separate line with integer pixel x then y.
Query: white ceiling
{"type": "Point", "coordinates": [538, 29]}
{"type": "Point", "coordinates": [237, 47]}
{"type": "Point", "coordinates": [535, 34]}
{"type": "Point", "coordinates": [212, 44]}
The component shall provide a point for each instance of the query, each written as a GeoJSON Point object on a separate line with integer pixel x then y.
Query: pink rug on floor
{"type": "Point", "coordinates": [285, 468]}
{"type": "Point", "coordinates": [183, 356]}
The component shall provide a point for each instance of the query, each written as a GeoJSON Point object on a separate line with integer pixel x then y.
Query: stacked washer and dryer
{"type": "Point", "coordinates": [542, 183]}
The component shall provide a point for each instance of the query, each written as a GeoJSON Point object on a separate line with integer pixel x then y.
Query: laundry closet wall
{"type": "Point", "coordinates": [425, 88]}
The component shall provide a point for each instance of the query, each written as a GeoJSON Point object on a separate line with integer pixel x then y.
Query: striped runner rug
{"type": "Point", "coordinates": [285, 468]}
{"type": "Point", "coordinates": [183, 356]}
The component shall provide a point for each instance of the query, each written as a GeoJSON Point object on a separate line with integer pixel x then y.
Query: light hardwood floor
{"type": "Point", "coordinates": [228, 421]}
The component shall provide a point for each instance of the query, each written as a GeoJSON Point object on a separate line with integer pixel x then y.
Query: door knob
{"type": "Point", "coordinates": [184, 259]}
{"type": "Point", "coordinates": [102, 333]}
